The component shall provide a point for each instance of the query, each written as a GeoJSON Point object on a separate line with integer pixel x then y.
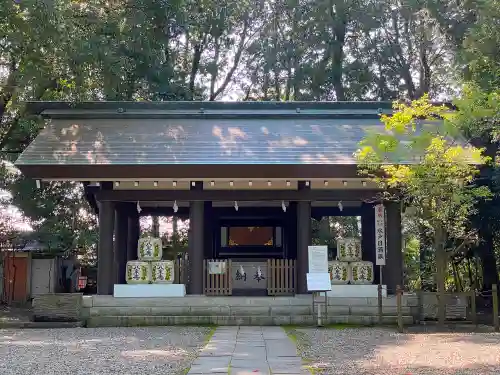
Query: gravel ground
{"type": "Point", "coordinates": [102, 351]}
{"type": "Point", "coordinates": [374, 351]}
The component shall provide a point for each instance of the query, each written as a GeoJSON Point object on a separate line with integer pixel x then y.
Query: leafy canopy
{"type": "Point", "coordinates": [421, 161]}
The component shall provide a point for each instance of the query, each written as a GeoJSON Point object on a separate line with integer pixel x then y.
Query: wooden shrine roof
{"type": "Point", "coordinates": [128, 139]}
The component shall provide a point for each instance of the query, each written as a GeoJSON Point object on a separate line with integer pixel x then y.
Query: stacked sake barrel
{"type": "Point", "coordinates": [150, 268]}
{"type": "Point", "coordinates": [349, 268]}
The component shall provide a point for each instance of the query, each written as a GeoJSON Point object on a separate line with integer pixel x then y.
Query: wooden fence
{"type": "Point", "coordinates": [217, 284]}
{"type": "Point", "coordinates": [282, 274]}
{"type": "Point", "coordinates": [458, 305]}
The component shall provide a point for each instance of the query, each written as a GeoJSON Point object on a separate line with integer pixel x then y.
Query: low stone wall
{"type": "Point", "coordinates": [109, 311]}
{"type": "Point", "coordinates": [58, 307]}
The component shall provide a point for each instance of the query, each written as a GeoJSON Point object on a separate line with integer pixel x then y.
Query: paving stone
{"type": "Point", "coordinates": [217, 352]}
{"type": "Point", "coordinates": [250, 351]}
{"type": "Point", "coordinates": [212, 361]}
{"type": "Point", "coordinates": [248, 372]}
{"type": "Point", "coordinates": [214, 369]}
{"type": "Point", "coordinates": [252, 365]}
{"type": "Point", "coordinates": [251, 344]}
{"type": "Point", "coordinates": [255, 350]}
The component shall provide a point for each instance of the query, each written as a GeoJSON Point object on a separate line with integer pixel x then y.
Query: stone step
{"type": "Point", "coordinates": [238, 311]}
{"type": "Point", "coordinates": [158, 320]}
{"type": "Point", "coordinates": [99, 301]}
{"type": "Point", "coordinates": [39, 325]}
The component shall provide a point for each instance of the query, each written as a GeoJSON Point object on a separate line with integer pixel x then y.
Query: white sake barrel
{"type": "Point", "coordinates": [362, 272]}
{"type": "Point", "coordinates": [138, 272]}
{"type": "Point", "coordinates": [162, 272]}
{"type": "Point", "coordinates": [339, 272]}
{"type": "Point", "coordinates": [149, 248]}
{"type": "Point", "coordinates": [349, 249]}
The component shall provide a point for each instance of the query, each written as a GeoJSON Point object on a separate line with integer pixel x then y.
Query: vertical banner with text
{"type": "Point", "coordinates": [380, 234]}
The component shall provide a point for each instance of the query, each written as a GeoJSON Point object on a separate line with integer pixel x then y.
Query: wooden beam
{"type": "Point", "coordinates": [96, 172]}
{"type": "Point", "coordinates": [235, 195]}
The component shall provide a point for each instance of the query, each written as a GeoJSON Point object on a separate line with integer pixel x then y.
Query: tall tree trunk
{"type": "Point", "coordinates": [175, 233]}
{"type": "Point", "coordinates": [426, 262]}
{"type": "Point", "coordinates": [156, 226]}
{"type": "Point", "coordinates": [441, 266]}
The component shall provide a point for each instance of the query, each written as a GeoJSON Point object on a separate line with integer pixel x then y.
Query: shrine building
{"type": "Point", "coordinates": [250, 176]}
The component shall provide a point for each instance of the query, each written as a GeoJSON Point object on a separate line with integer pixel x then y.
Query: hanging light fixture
{"type": "Point", "coordinates": [136, 183]}
{"type": "Point", "coordinates": [139, 209]}
{"type": "Point", "coordinates": [236, 205]}
{"type": "Point", "coordinates": [175, 207]}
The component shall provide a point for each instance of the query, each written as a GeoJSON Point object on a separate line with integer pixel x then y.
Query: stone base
{"type": "Point", "coordinates": [358, 291]}
{"type": "Point", "coordinates": [301, 320]}
{"type": "Point", "coordinates": [149, 290]}
{"type": "Point", "coordinates": [57, 307]}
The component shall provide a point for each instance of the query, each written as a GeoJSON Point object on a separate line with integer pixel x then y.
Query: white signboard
{"type": "Point", "coordinates": [216, 268]}
{"type": "Point", "coordinates": [318, 259]}
{"type": "Point", "coordinates": [318, 282]}
{"type": "Point", "coordinates": [380, 234]}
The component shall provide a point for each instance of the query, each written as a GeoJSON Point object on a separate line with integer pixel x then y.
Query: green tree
{"type": "Point", "coordinates": [439, 182]}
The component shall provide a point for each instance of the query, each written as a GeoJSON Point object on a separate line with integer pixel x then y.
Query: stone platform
{"type": "Point", "coordinates": [149, 290]}
{"type": "Point", "coordinates": [100, 311]}
{"type": "Point", "coordinates": [366, 291]}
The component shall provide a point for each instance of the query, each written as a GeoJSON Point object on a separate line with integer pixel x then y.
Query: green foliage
{"type": "Point", "coordinates": [482, 47]}
{"type": "Point", "coordinates": [412, 263]}
{"type": "Point", "coordinates": [440, 184]}
{"type": "Point", "coordinates": [479, 114]}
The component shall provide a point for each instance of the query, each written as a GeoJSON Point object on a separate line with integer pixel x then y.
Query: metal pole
{"type": "Point", "coordinates": [399, 295]}
{"type": "Point", "coordinates": [473, 308]}
{"type": "Point", "coordinates": [380, 297]}
{"type": "Point", "coordinates": [379, 303]}
{"type": "Point", "coordinates": [320, 323]}
{"type": "Point", "coordinates": [494, 291]}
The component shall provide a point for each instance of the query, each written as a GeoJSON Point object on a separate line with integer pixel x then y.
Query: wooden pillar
{"type": "Point", "coordinates": [209, 231]}
{"type": "Point", "coordinates": [368, 238]}
{"type": "Point", "coordinates": [303, 241]}
{"type": "Point", "coordinates": [105, 259]}
{"type": "Point", "coordinates": [196, 240]}
{"type": "Point", "coordinates": [120, 244]}
{"type": "Point", "coordinates": [393, 271]}
{"type": "Point", "coordinates": [291, 231]}
{"type": "Point", "coordinates": [133, 234]}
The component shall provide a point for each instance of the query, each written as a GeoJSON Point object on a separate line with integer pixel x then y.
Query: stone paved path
{"type": "Point", "coordinates": [249, 351]}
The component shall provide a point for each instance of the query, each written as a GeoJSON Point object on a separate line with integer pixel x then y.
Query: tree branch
{"type": "Point", "coordinates": [237, 57]}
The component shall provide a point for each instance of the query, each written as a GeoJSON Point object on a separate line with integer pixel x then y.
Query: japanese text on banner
{"type": "Point", "coordinates": [380, 234]}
